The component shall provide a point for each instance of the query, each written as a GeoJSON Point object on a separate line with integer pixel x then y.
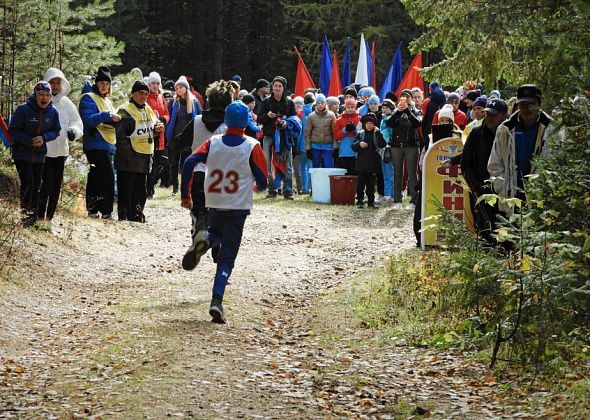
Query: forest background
{"type": "Point", "coordinates": [501, 44]}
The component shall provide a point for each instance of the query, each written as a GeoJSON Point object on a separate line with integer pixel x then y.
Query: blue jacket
{"type": "Point", "coordinates": [174, 114]}
{"type": "Point", "coordinates": [91, 117]}
{"type": "Point", "coordinates": [292, 133]}
{"type": "Point", "coordinates": [29, 121]}
{"type": "Point", "coordinates": [307, 109]}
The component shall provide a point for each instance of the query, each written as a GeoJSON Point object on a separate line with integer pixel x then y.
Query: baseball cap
{"type": "Point", "coordinates": [528, 93]}
{"type": "Point", "coordinates": [496, 106]}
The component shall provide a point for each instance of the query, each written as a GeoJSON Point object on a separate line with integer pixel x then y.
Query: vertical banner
{"type": "Point", "coordinates": [443, 185]}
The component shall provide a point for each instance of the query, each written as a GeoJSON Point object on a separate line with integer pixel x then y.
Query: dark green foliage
{"type": "Point", "coordinates": [546, 42]}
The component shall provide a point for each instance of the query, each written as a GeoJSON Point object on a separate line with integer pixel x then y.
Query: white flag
{"type": "Point", "coordinates": [362, 73]}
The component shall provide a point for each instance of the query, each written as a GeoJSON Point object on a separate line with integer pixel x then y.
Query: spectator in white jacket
{"type": "Point", "coordinates": [57, 150]}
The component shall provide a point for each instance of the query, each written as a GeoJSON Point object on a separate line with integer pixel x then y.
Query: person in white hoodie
{"type": "Point", "coordinates": [57, 150]}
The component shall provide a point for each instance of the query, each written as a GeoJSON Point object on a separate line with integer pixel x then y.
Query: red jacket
{"type": "Point", "coordinates": [341, 123]}
{"type": "Point", "coordinates": [158, 103]}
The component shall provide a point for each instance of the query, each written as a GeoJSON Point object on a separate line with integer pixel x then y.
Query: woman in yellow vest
{"type": "Point", "coordinates": [97, 112]}
{"type": "Point", "coordinates": [136, 132]}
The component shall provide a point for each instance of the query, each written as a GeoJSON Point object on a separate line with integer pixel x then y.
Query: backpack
{"type": "Point", "coordinates": [5, 135]}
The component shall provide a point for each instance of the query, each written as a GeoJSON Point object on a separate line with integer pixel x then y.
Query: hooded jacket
{"type": "Point", "coordinates": [69, 119]}
{"type": "Point", "coordinates": [319, 128]}
{"type": "Point", "coordinates": [29, 121]}
{"type": "Point", "coordinates": [91, 117]}
{"type": "Point", "coordinates": [502, 162]}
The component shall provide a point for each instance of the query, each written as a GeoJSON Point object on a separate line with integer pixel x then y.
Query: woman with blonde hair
{"type": "Point", "coordinates": [183, 109]}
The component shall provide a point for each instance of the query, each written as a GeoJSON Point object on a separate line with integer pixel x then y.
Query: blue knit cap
{"type": "Point", "coordinates": [236, 115]}
{"type": "Point", "coordinates": [374, 99]}
{"type": "Point", "coordinates": [367, 91]}
{"type": "Point", "coordinates": [481, 101]}
{"type": "Point", "coordinates": [495, 94]}
{"type": "Point", "coordinates": [320, 98]}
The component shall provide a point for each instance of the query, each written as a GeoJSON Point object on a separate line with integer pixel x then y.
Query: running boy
{"type": "Point", "coordinates": [234, 161]}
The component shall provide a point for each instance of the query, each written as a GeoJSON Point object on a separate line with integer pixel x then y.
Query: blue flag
{"type": "Point", "coordinates": [345, 76]}
{"type": "Point", "coordinates": [394, 74]}
{"type": "Point", "coordinates": [325, 67]}
{"type": "Point", "coordinates": [370, 64]}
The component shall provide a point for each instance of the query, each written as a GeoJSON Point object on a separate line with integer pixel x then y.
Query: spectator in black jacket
{"type": "Point", "coordinates": [260, 92]}
{"type": "Point", "coordinates": [474, 165]}
{"type": "Point", "coordinates": [405, 146]}
{"type": "Point", "coordinates": [274, 110]}
{"type": "Point", "coordinates": [368, 160]}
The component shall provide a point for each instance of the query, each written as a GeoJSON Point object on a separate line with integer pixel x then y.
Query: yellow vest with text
{"type": "Point", "coordinates": [104, 104]}
{"type": "Point", "coordinates": [142, 138]}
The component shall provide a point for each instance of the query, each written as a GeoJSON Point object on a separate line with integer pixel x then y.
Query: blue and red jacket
{"type": "Point", "coordinates": [233, 137]}
{"type": "Point", "coordinates": [30, 121]}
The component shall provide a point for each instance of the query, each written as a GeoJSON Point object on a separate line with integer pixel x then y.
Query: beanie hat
{"type": "Point", "coordinates": [139, 85]}
{"type": "Point", "coordinates": [350, 101]}
{"type": "Point", "coordinates": [481, 101]}
{"type": "Point", "coordinates": [154, 77]}
{"type": "Point", "coordinates": [182, 82]}
{"type": "Point", "coordinates": [298, 100]}
{"type": "Point", "coordinates": [41, 86]}
{"type": "Point", "coordinates": [446, 111]}
{"type": "Point", "coordinates": [473, 95]}
{"type": "Point", "coordinates": [320, 98]}
{"type": "Point", "coordinates": [332, 100]}
{"type": "Point", "coordinates": [242, 92]}
{"type": "Point", "coordinates": [453, 97]}
{"type": "Point", "coordinates": [367, 91]}
{"type": "Point", "coordinates": [406, 92]}
{"type": "Point", "coordinates": [388, 103]}
{"type": "Point", "coordinates": [103, 75]}
{"type": "Point", "coordinates": [247, 98]}
{"type": "Point", "coordinates": [236, 115]}
{"type": "Point", "coordinates": [281, 80]}
{"type": "Point", "coordinates": [136, 73]}
{"type": "Point", "coordinates": [374, 99]}
{"type": "Point", "coordinates": [262, 83]}
{"type": "Point", "coordinates": [495, 94]}
{"type": "Point", "coordinates": [433, 86]}
{"type": "Point", "coordinates": [168, 84]}
{"type": "Point", "coordinates": [369, 116]}
{"type": "Point", "coordinates": [236, 78]}
{"type": "Point", "coordinates": [350, 91]}
{"type": "Point", "coordinates": [391, 96]}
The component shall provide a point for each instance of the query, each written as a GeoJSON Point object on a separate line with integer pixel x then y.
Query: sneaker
{"type": "Point", "coordinates": [175, 190]}
{"type": "Point", "coordinates": [410, 207]}
{"type": "Point", "coordinates": [372, 206]}
{"type": "Point", "coordinates": [360, 205]}
{"type": "Point", "coordinates": [198, 248]}
{"type": "Point", "coordinates": [378, 199]}
{"type": "Point", "coordinates": [93, 215]}
{"type": "Point", "coordinates": [106, 216]}
{"type": "Point", "coordinates": [289, 197]}
{"type": "Point", "coordinates": [397, 206]}
{"type": "Point", "coordinates": [49, 227]}
{"type": "Point", "coordinates": [271, 194]}
{"type": "Point", "coordinates": [386, 199]}
{"type": "Point", "coordinates": [216, 311]}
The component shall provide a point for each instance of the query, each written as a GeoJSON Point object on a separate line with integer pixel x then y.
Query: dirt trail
{"type": "Point", "coordinates": [104, 322]}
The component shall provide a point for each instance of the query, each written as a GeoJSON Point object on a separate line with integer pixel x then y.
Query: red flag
{"type": "Point", "coordinates": [303, 80]}
{"type": "Point", "coordinates": [335, 84]}
{"type": "Point", "coordinates": [374, 66]}
{"type": "Point", "coordinates": [412, 77]}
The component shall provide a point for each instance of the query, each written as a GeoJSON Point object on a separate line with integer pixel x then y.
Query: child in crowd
{"type": "Point", "coordinates": [366, 144]}
{"type": "Point", "coordinates": [319, 134]}
{"type": "Point", "coordinates": [234, 161]}
{"type": "Point", "coordinates": [344, 133]}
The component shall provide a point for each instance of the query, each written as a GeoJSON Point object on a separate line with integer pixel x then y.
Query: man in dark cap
{"type": "Point", "coordinates": [260, 92]}
{"type": "Point", "coordinates": [273, 114]}
{"type": "Point", "coordinates": [137, 132]}
{"type": "Point", "coordinates": [518, 140]}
